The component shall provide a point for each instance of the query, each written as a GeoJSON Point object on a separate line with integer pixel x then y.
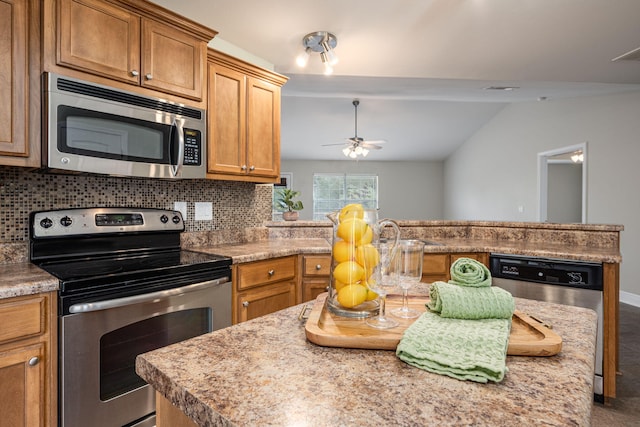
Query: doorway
{"type": "Point", "coordinates": [562, 184]}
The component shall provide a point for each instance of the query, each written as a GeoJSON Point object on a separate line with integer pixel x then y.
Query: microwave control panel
{"type": "Point", "coordinates": [192, 147]}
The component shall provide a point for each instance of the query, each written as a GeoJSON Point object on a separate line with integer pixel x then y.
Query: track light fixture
{"type": "Point", "coordinates": [321, 42]}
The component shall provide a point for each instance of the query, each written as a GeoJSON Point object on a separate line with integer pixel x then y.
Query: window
{"type": "Point", "coordinates": [332, 191]}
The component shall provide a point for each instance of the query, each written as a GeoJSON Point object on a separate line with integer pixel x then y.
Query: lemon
{"type": "Point", "coordinates": [352, 229]}
{"type": "Point", "coordinates": [348, 272]}
{"type": "Point", "coordinates": [337, 285]}
{"type": "Point", "coordinates": [367, 237]}
{"type": "Point", "coordinates": [343, 251]}
{"type": "Point", "coordinates": [367, 256]}
{"type": "Point", "coordinates": [371, 295]}
{"type": "Point", "coordinates": [352, 210]}
{"type": "Point", "coordinates": [352, 295]}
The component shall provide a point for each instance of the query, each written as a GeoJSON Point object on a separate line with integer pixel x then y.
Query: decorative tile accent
{"type": "Point", "coordinates": [236, 205]}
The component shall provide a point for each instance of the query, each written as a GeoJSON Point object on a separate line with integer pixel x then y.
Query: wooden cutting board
{"type": "Point", "coordinates": [528, 336]}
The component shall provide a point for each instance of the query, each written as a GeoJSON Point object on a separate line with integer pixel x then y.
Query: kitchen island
{"type": "Point", "coordinates": [265, 372]}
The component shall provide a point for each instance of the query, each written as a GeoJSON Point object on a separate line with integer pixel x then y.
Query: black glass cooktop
{"type": "Point", "coordinates": [126, 267]}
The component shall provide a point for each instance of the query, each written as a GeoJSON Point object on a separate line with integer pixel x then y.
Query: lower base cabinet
{"type": "Point", "coordinates": [263, 287]}
{"type": "Point", "coordinates": [27, 361]}
{"type": "Point", "coordinates": [316, 271]}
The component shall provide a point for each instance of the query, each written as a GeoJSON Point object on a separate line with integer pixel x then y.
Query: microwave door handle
{"type": "Point", "coordinates": [177, 129]}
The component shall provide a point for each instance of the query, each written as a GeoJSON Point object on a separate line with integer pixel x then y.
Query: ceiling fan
{"type": "Point", "coordinates": [357, 146]}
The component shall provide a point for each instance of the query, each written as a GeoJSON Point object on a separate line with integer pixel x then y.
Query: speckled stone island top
{"type": "Point", "coordinates": [265, 373]}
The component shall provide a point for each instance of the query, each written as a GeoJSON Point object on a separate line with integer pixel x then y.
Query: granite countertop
{"type": "Point", "coordinates": [265, 372]}
{"type": "Point", "coordinates": [24, 278]}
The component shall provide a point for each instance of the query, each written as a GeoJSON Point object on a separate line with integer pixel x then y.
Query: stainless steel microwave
{"type": "Point", "coordinates": [98, 129]}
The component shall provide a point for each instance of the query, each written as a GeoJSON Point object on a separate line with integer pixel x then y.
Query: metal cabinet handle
{"type": "Point", "coordinates": [243, 167]}
{"type": "Point", "coordinates": [252, 168]}
{"type": "Point", "coordinates": [135, 73]}
{"type": "Point", "coordinates": [318, 267]}
{"type": "Point", "coordinates": [34, 361]}
{"type": "Point", "coordinates": [271, 273]}
{"type": "Point", "coordinates": [245, 304]}
{"type": "Point", "coordinates": [148, 76]}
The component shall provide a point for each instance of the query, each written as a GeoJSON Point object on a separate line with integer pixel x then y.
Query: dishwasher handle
{"type": "Point", "coordinates": [88, 307]}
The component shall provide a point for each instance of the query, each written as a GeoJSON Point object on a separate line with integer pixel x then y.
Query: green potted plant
{"type": "Point", "coordinates": [286, 203]}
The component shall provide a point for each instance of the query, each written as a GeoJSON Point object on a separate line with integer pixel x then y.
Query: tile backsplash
{"type": "Point", "coordinates": [236, 205]}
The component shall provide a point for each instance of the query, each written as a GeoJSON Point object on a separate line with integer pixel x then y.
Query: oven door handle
{"type": "Point", "coordinates": [138, 299]}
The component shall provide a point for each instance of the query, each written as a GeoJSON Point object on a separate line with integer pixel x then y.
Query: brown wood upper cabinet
{"type": "Point", "coordinates": [134, 42]}
{"type": "Point", "coordinates": [244, 120]}
{"type": "Point", "coordinates": [19, 87]}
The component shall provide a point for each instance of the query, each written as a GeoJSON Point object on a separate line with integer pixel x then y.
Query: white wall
{"type": "Point", "coordinates": [564, 192]}
{"type": "Point", "coordinates": [495, 171]}
{"type": "Point", "coordinates": [406, 190]}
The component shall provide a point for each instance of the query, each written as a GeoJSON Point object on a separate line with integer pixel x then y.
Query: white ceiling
{"type": "Point", "coordinates": [420, 67]}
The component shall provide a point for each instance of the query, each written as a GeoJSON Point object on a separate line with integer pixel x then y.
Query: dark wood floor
{"type": "Point", "coordinates": [625, 410]}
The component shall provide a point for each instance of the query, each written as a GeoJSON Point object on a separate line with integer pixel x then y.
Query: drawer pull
{"type": "Point", "coordinates": [148, 76]}
{"type": "Point", "coordinates": [34, 361]}
{"type": "Point", "coordinates": [245, 304]}
{"type": "Point", "coordinates": [134, 73]}
{"type": "Point", "coordinates": [271, 273]}
{"type": "Point", "coordinates": [318, 267]}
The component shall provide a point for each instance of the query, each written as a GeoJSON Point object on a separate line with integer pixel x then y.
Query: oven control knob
{"type": "Point", "coordinates": [164, 219]}
{"type": "Point", "coordinates": [66, 221]}
{"type": "Point", "coordinates": [176, 219]}
{"type": "Point", "coordinates": [46, 223]}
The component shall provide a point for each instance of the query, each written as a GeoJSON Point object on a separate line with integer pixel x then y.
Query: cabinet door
{"type": "Point", "coordinates": [14, 80]}
{"type": "Point", "coordinates": [482, 257]}
{"type": "Point", "coordinates": [84, 28]}
{"type": "Point", "coordinates": [435, 267]}
{"type": "Point", "coordinates": [172, 61]}
{"type": "Point", "coordinates": [226, 131]}
{"type": "Point", "coordinates": [22, 393]}
{"type": "Point", "coordinates": [263, 128]}
{"type": "Point", "coordinates": [264, 300]}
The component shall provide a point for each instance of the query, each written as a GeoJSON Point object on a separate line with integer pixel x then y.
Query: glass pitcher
{"type": "Point", "coordinates": [354, 230]}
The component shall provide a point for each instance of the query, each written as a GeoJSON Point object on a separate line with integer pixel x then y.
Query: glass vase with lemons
{"type": "Point", "coordinates": [355, 258]}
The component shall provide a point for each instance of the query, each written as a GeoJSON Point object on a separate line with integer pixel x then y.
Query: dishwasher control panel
{"type": "Point", "coordinates": [578, 274]}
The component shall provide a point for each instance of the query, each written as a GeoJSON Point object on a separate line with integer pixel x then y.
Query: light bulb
{"type": "Point", "coordinates": [358, 150]}
{"type": "Point", "coordinates": [353, 155]}
{"type": "Point", "coordinates": [328, 69]}
{"type": "Point", "coordinates": [303, 58]}
{"type": "Point", "coordinates": [365, 152]}
{"type": "Point", "coordinates": [346, 151]}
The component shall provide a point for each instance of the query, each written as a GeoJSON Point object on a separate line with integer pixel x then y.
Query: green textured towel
{"type": "Point", "coordinates": [473, 350]}
{"type": "Point", "coordinates": [469, 272]}
{"type": "Point", "coordinates": [462, 302]}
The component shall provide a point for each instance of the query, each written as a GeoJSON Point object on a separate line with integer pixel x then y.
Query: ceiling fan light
{"type": "Point", "coordinates": [346, 151]}
{"type": "Point", "coordinates": [358, 150]}
{"type": "Point", "coordinates": [365, 152]}
{"type": "Point", "coordinates": [353, 155]}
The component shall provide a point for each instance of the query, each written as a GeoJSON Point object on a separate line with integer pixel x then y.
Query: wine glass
{"type": "Point", "coordinates": [381, 281]}
{"type": "Point", "coordinates": [409, 271]}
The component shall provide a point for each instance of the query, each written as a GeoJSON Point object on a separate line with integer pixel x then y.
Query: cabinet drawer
{"type": "Point", "coordinates": [435, 264]}
{"type": "Point", "coordinates": [264, 272]}
{"type": "Point", "coordinates": [317, 265]}
{"type": "Point", "coordinates": [22, 318]}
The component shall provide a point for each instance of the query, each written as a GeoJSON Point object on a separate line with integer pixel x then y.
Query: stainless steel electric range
{"type": "Point", "coordinates": [126, 287]}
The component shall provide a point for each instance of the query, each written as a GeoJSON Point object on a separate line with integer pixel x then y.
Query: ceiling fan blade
{"type": "Point", "coordinates": [368, 146]}
{"type": "Point", "coordinates": [340, 143]}
{"type": "Point", "coordinates": [378, 141]}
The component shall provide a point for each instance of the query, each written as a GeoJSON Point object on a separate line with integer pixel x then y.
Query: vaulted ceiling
{"type": "Point", "coordinates": [420, 67]}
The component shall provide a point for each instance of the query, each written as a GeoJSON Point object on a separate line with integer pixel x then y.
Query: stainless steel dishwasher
{"type": "Point", "coordinates": [559, 281]}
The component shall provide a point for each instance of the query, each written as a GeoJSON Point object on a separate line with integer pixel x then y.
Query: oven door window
{"type": "Point", "coordinates": [119, 348]}
{"type": "Point", "coordinates": [109, 136]}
